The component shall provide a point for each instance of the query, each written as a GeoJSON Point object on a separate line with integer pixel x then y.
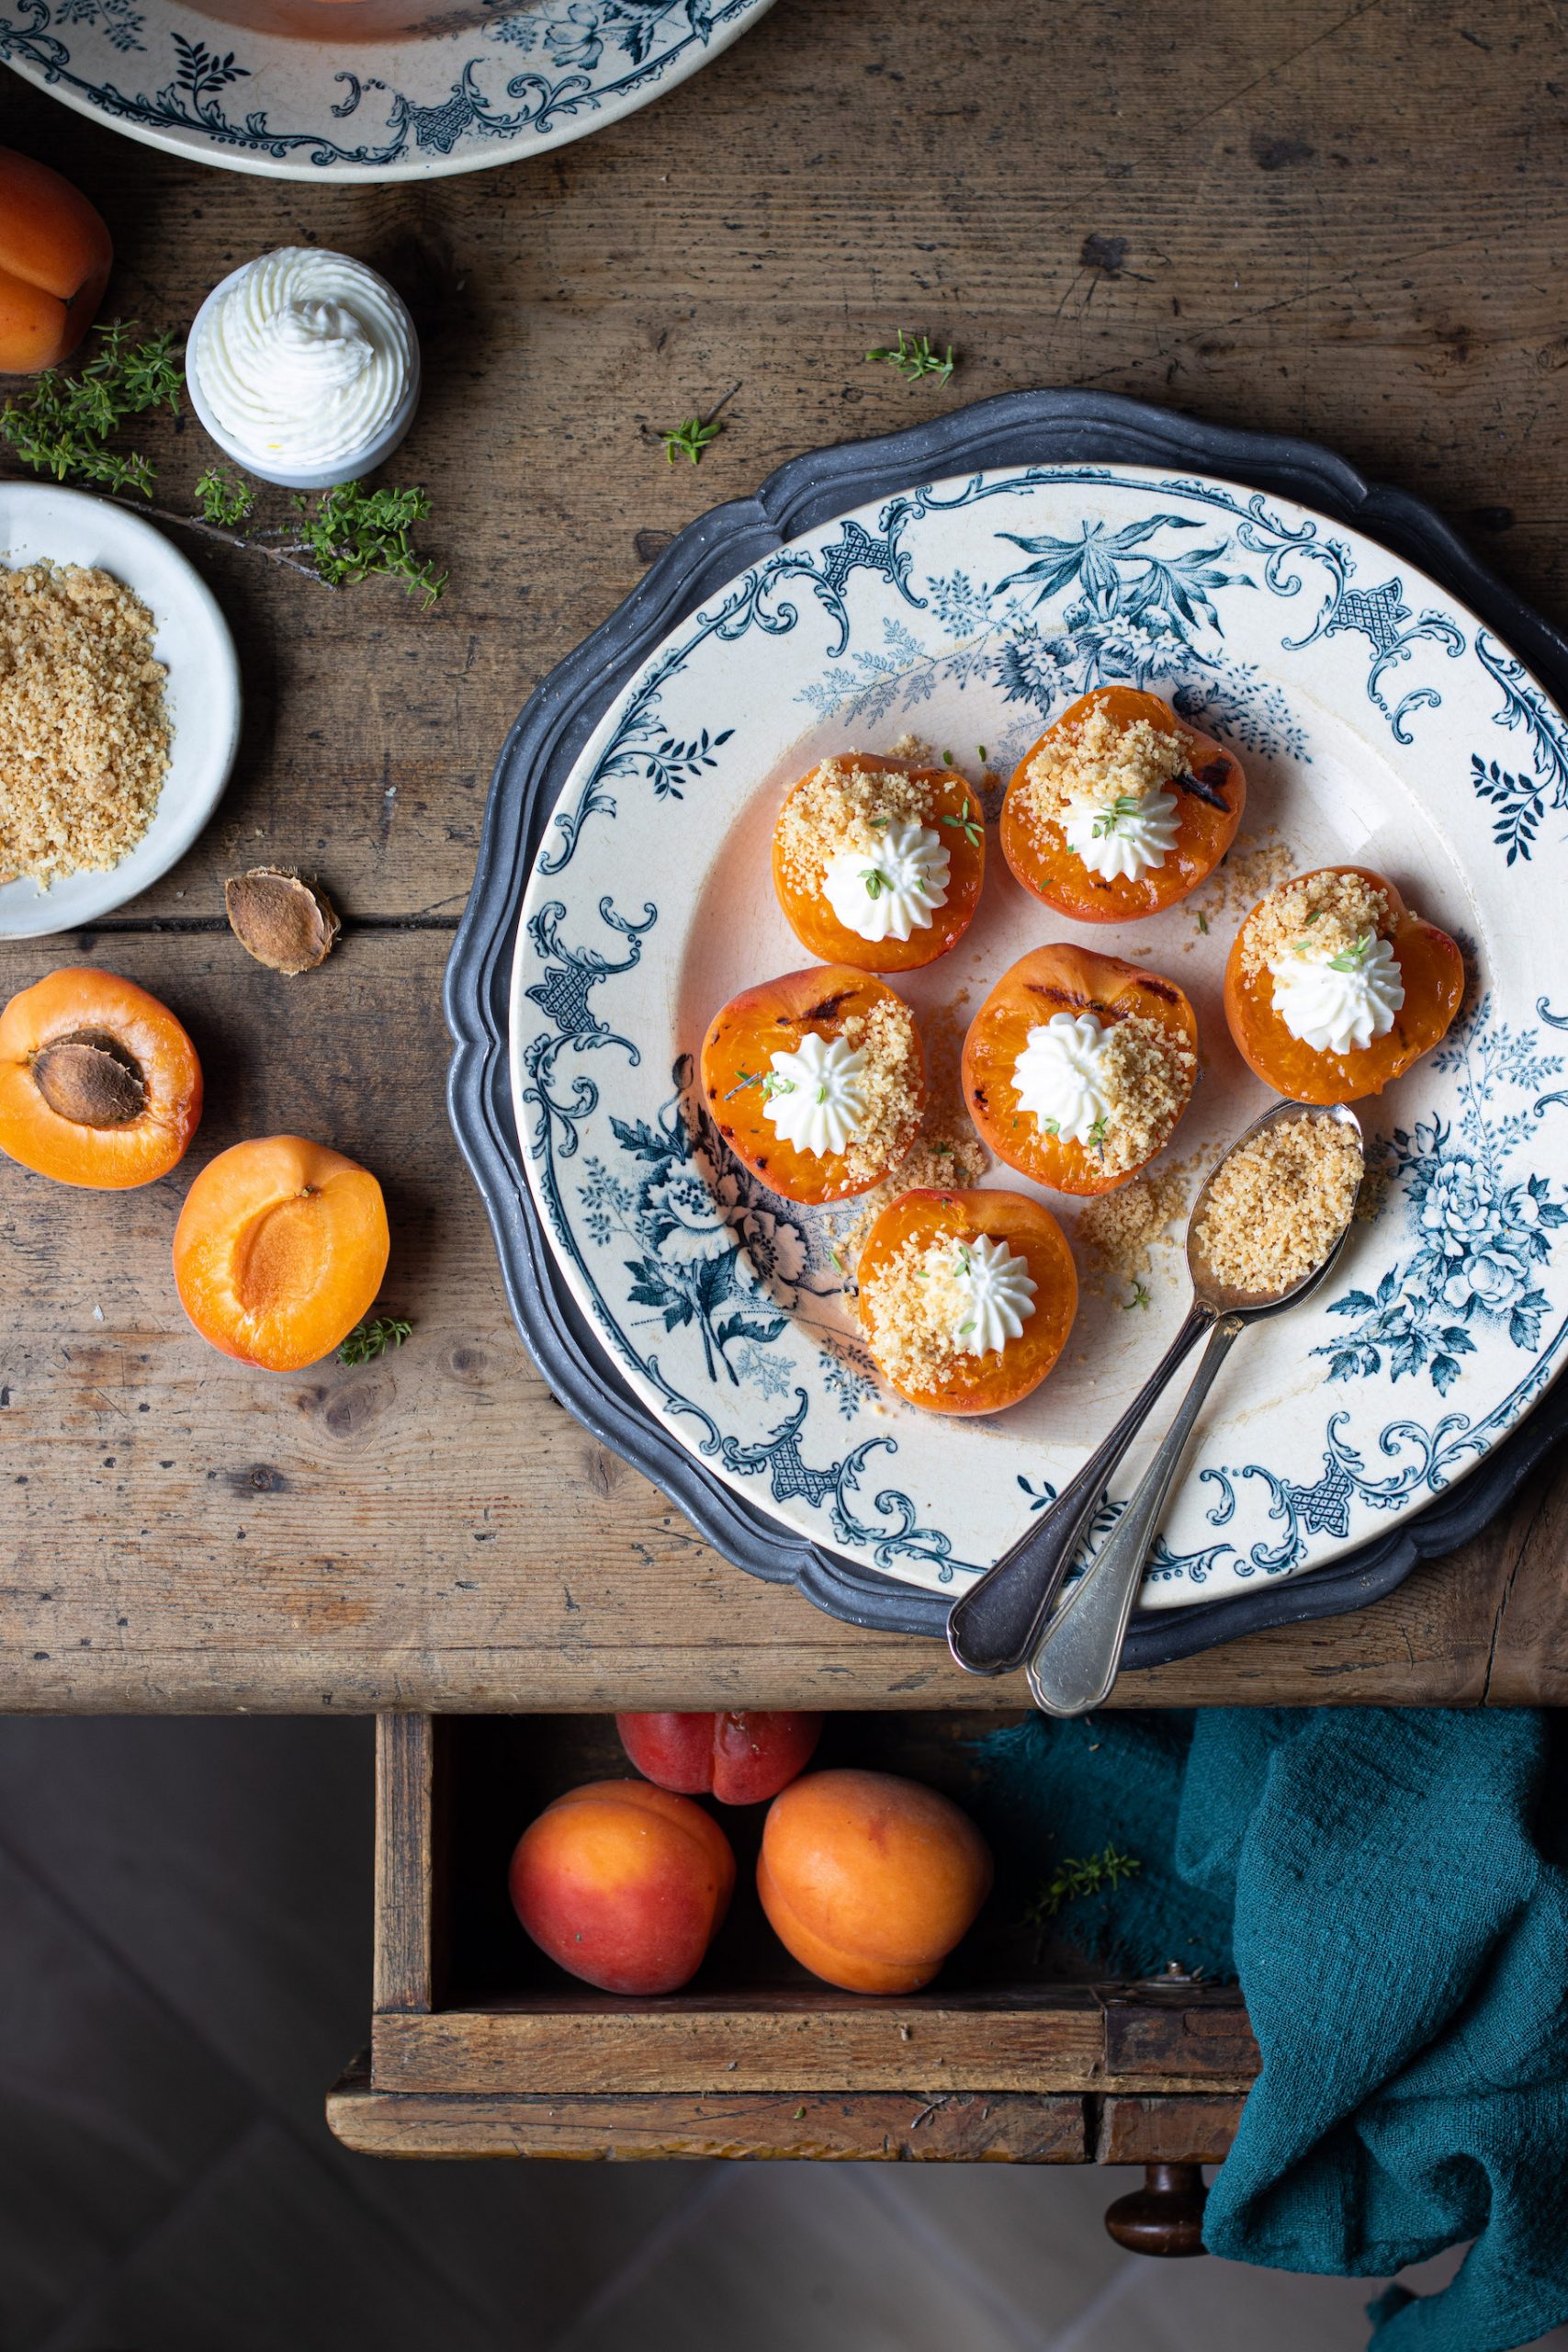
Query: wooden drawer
{"type": "Point", "coordinates": [480, 2046]}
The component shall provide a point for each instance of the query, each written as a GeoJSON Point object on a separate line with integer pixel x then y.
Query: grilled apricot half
{"type": "Point", "coordinates": [1209, 796]}
{"type": "Point", "coordinates": [911, 1245]}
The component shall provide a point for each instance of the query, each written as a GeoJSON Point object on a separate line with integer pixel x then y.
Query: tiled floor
{"type": "Point", "coordinates": [185, 1958]}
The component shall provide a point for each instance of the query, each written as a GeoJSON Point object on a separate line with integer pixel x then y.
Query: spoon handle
{"type": "Point", "coordinates": [1080, 1652]}
{"type": "Point", "coordinates": [992, 1627]}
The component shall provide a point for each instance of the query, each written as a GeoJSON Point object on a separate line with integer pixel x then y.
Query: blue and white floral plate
{"type": "Point", "coordinates": [1380, 722]}
{"type": "Point", "coordinates": [467, 87]}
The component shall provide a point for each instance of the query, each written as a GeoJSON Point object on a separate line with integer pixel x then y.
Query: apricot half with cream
{"type": "Point", "coordinates": [816, 1081]}
{"type": "Point", "coordinates": [1334, 988]}
{"type": "Point", "coordinates": [1078, 1068]}
{"type": "Point", "coordinates": [1121, 808]}
{"type": "Point", "coordinates": [878, 863]}
{"type": "Point", "coordinates": [966, 1298]}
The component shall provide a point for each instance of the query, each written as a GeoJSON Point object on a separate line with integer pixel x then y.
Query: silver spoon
{"type": "Point", "coordinates": [995, 1626]}
{"type": "Point", "coordinates": [1079, 1652]}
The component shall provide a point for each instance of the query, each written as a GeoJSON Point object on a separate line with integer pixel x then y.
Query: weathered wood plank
{"type": "Point", "coordinates": [1165, 2130]}
{"type": "Point", "coordinates": [1045, 2041]}
{"type": "Point", "coordinates": [406, 1924]}
{"type": "Point", "coordinates": [945, 2127]}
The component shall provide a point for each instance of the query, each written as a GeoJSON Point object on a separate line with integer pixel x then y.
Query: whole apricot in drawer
{"type": "Point", "coordinates": [869, 1881]}
{"type": "Point", "coordinates": [99, 1084]}
{"type": "Point", "coordinates": [624, 1885]}
{"type": "Point", "coordinates": [279, 1251]}
{"type": "Point", "coordinates": [741, 1757]}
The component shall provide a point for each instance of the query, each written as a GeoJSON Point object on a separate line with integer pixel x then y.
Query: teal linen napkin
{"type": "Point", "coordinates": [1389, 1886]}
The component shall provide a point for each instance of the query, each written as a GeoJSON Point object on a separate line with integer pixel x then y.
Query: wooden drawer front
{"type": "Point", "coordinates": [480, 2046]}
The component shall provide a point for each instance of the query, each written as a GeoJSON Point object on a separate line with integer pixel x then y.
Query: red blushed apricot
{"type": "Point", "coordinates": [1209, 799]}
{"type": "Point", "coordinates": [743, 1757]}
{"type": "Point", "coordinates": [955, 812]}
{"type": "Point", "coordinates": [54, 264]}
{"type": "Point", "coordinates": [624, 1885]}
{"type": "Point", "coordinates": [1432, 969]}
{"type": "Point", "coordinates": [869, 1881]}
{"type": "Point", "coordinates": [773, 1018]}
{"type": "Point", "coordinates": [99, 1085]}
{"type": "Point", "coordinates": [279, 1251]}
{"type": "Point", "coordinates": [1060, 979]}
{"type": "Point", "coordinates": [986, 1383]}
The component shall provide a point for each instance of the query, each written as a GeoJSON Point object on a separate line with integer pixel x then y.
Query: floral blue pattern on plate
{"type": "Point", "coordinates": [1369, 707]}
{"type": "Point", "coordinates": [466, 88]}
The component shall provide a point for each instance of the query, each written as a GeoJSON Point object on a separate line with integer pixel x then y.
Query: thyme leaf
{"type": "Point", "coordinates": [1350, 959]}
{"type": "Point", "coordinates": [966, 822]}
{"type": "Point", "coordinates": [1140, 1297]}
{"type": "Point", "coordinates": [874, 879]}
{"type": "Point", "coordinates": [1126, 804]}
{"type": "Point", "coordinates": [62, 425]}
{"type": "Point", "coordinates": [690, 438]}
{"type": "Point", "coordinates": [913, 357]}
{"type": "Point", "coordinates": [373, 1338]}
{"type": "Point", "coordinates": [1078, 1875]}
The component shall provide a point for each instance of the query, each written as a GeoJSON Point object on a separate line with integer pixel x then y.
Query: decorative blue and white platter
{"type": "Point", "coordinates": [466, 87]}
{"type": "Point", "coordinates": [1380, 721]}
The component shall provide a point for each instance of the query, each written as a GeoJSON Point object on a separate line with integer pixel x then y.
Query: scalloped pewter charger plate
{"type": "Point", "coordinates": [470, 88]}
{"type": "Point", "coordinates": [1379, 721]}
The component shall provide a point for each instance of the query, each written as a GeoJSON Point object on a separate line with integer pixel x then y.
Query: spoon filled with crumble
{"type": "Point", "coordinates": [1266, 1228]}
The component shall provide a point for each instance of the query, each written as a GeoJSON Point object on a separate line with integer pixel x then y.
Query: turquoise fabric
{"type": "Point", "coordinates": [1390, 1887]}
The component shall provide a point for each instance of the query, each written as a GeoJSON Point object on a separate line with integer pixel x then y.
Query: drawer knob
{"type": "Point", "coordinates": [1163, 2217]}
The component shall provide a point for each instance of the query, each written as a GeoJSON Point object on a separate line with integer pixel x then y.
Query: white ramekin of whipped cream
{"type": "Point", "coordinates": [303, 366]}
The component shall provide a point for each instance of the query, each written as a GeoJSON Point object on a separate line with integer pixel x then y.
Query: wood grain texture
{"type": "Point", "coordinates": [1049, 2039]}
{"type": "Point", "coordinates": [405, 1936]}
{"type": "Point", "coordinates": [1337, 221]}
{"type": "Point", "coordinates": [896, 2126]}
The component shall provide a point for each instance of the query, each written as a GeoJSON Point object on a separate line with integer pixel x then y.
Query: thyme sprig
{"type": "Point", "coordinates": [913, 357]}
{"type": "Point", "coordinates": [373, 1338]}
{"type": "Point", "coordinates": [62, 425]}
{"type": "Point", "coordinates": [1126, 804]}
{"type": "Point", "coordinates": [1140, 1297]}
{"type": "Point", "coordinates": [690, 439]}
{"type": "Point", "coordinates": [1080, 1875]}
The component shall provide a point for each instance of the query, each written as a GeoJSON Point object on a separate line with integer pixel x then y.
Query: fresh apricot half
{"type": "Point", "coordinates": [1432, 970]}
{"type": "Point", "coordinates": [279, 1251]}
{"type": "Point", "coordinates": [1209, 795]}
{"type": "Point", "coordinates": [99, 1085]}
{"type": "Point", "coordinates": [757, 1083]}
{"type": "Point", "coordinates": [948, 806]}
{"type": "Point", "coordinates": [925, 1234]}
{"type": "Point", "coordinates": [1074, 980]}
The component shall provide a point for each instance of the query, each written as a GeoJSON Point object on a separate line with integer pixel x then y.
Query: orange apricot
{"type": "Point", "coordinates": [99, 1085]}
{"type": "Point", "coordinates": [1064, 979]}
{"type": "Point", "coordinates": [954, 810]}
{"type": "Point", "coordinates": [965, 1384]}
{"type": "Point", "coordinates": [624, 1885]}
{"type": "Point", "coordinates": [54, 264]}
{"type": "Point", "coordinates": [869, 1881]}
{"type": "Point", "coordinates": [1432, 970]}
{"type": "Point", "coordinates": [832, 1003]}
{"type": "Point", "coordinates": [1210, 797]}
{"type": "Point", "coordinates": [279, 1251]}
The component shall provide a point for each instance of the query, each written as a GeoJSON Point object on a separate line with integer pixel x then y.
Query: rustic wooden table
{"type": "Point", "coordinates": [1341, 221]}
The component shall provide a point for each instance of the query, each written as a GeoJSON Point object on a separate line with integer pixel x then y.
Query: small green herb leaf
{"type": "Point", "coordinates": [874, 879]}
{"type": "Point", "coordinates": [224, 498]}
{"type": "Point", "coordinates": [1140, 1297]}
{"type": "Point", "coordinates": [913, 357]}
{"type": "Point", "coordinates": [690, 438]}
{"type": "Point", "coordinates": [1203, 924]}
{"type": "Point", "coordinates": [371, 1339]}
{"type": "Point", "coordinates": [1350, 959]}
{"type": "Point", "coordinates": [968, 823]}
{"type": "Point", "coordinates": [1080, 1875]}
{"type": "Point", "coordinates": [1126, 804]}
